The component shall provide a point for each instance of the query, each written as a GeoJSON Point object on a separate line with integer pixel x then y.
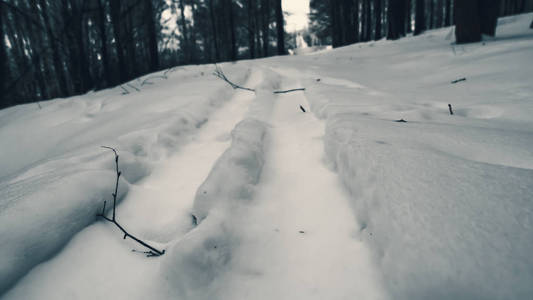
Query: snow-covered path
{"type": "Point", "coordinates": [301, 236]}
{"type": "Point", "coordinates": [157, 209]}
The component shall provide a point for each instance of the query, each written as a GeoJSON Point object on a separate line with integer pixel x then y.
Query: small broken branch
{"type": "Point", "coordinates": [153, 251]}
{"type": "Point", "coordinates": [458, 80]}
{"type": "Point", "coordinates": [218, 73]}
{"type": "Point", "coordinates": [146, 81]}
{"type": "Point", "coordinates": [133, 87]}
{"type": "Point", "coordinates": [450, 108]}
{"type": "Point", "coordinates": [125, 91]}
{"type": "Point", "coordinates": [288, 91]}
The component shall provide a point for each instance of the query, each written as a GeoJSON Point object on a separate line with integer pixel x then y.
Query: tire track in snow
{"type": "Point", "coordinates": [156, 209]}
{"type": "Point", "coordinates": [301, 238]}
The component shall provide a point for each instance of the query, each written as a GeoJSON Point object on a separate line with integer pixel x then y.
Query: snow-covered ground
{"type": "Point", "coordinates": [339, 202]}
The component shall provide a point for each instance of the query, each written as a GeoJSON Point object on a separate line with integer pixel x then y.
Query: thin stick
{"type": "Point", "coordinates": [218, 73]}
{"type": "Point", "coordinates": [288, 91]}
{"type": "Point", "coordinates": [153, 251]}
{"type": "Point", "coordinates": [125, 90]}
{"type": "Point", "coordinates": [133, 87]}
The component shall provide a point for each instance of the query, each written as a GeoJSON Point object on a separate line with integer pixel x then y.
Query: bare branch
{"type": "Point", "coordinates": [288, 91]}
{"type": "Point", "coordinates": [133, 87]}
{"type": "Point", "coordinates": [125, 91]}
{"type": "Point", "coordinates": [218, 73]}
{"type": "Point", "coordinates": [153, 251]}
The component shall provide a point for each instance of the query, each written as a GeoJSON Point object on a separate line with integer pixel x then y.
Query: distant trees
{"type": "Point", "coordinates": [58, 48]}
{"type": "Point", "coordinates": [344, 22]}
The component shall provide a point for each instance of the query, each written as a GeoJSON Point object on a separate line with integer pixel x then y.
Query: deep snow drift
{"type": "Point", "coordinates": [253, 199]}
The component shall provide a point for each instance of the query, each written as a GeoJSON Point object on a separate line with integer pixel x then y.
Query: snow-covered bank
{"type": "Point", "coordinates": [444, 201]}
{"type": "Point", "coordinates": [54, 187]}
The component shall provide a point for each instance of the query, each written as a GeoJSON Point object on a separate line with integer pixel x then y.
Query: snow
{"type": "Point", "coordinates": [339, 202]}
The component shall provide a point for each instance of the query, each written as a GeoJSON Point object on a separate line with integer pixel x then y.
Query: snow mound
{"type": "Point", "coordinates": [41, 213]}
{"type": "Point", "coordinates": [242, 162]}
{"type": "Point", "coordinates": [192, 264]}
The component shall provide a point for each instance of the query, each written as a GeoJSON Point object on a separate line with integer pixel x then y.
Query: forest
{"type": "Point", "coordinates": [60, 48]}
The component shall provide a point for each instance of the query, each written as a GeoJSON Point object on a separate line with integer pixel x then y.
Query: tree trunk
{"type": "Point", "coordinates": [356, 21]}
{"type": "Point", "coordinates": [420, 18]}
{"type": "Point", "coordinates": [102, 20]}
{"type": "Point", "coordinates": [336, 30]}
{"type": "Point", "coordinates": [439, 14]}
{"type": "Point", "coordinates": [432, 13]}
{"type": "Point", "coordinates": [488, 15]}
{"type": "Point", "coordinates": [377, 18]}
{"type": "Point", "coordinates": [265, 8]}
{"type": "Point", "coordinates": [58, 63]}
{"type": "Point", "coordinates": [86, 81]}
{"type": "Point", "coordinates": [115, 20]}
{"type": "Point", "coordinates": [448, 13]}
{"type": "Point", "coordinates": [214, 28]}
{"type": "Point", "coordinates": [4, 65]}
{"type": "Point", "coordinates": [467, 23]}
{"type": "Point", "coordinates": [396, 19]}
{"type": "Point", "coordinates": [152, 35]}
{"type": "Point", "coordinates": [368, 14]}
{"type": "Point", "coordinates": [251, 28]}
{"type": "Point", "coordinates": [348, 25]}
{"type": "Point", "coordinates": [232, 29]}
{"type": "Point", "coordinates": [408, 16]}
{"type": "Point", "coordinates": [280, 28]}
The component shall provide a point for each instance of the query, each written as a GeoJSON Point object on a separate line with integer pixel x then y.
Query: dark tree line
{"type": "Point", "coordinates": [344, 22]}
{"type": "Point", "coordinates": [59, 48]}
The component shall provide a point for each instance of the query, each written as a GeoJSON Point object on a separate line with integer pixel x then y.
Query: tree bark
{"type": "Point", "coordinates": [232, 30]}
{"type": "Point", "coordinates": [152, 35]}
{"type": "Point", "coordinates": [420, 18]}
{"type": "Point", "coordinates": [439, 14]}
{"type": "Point", "coordinates": [115, 21]}
{"type": "Point", "coordinates": [280, 28]}
{"type": "Point", "coordinates": [251, 28]}
{"type": "Point", "coordinates": [448, 12]}
{"type": "Point", "coordinates": [58, 63]}
{"type": "Point", "coordinates": [4, 65]}
{"type": "Point", "coordinates": [467, 23]}
{"type": "Point", "coordinates": [102, 20]}
{"type": "Point", "coordinates": [396, 19]}
{"type": "Point", "coordinates": [377, 18]}
{"type": "Point", "coordinates": [488, 15]}
{"type": "Point", "coordinates": [265, 8]}
{"type": "Point", "coordinates": [408, 16]}
{"type": "Point", "coordinates": [214, 28]}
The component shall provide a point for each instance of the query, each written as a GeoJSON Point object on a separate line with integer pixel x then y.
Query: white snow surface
{"type": "Point", "coordinates": [252, 198]}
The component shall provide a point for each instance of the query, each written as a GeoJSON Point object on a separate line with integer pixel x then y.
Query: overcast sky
{"type": "Point", "coordinates": [298, 10]}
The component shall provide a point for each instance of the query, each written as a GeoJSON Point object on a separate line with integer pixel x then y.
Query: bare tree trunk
{"type": "Point", "coordinates": [58, 63]}
{"type": "Point", "coordinates": [232, 29]}
{"type": "Point", "coordinates": [368, 14]}
{"type": "Point", "coordinates": [214, 28]}
{"type": "Point", "coordinates": [447, 16]}
{"type": "Point", "coordinates": [420, 18]}
{"type": "Point", "coordinates": [265, 8]}
{"type": "Point", "coordinates": [408, 16]}
{"type": "Point", "coordinates": [280, 28]}
{"type": "Point", "coordinates": [115, 20]}
{"type": "Point", "coordinates": [432, 13]}
{"type": "Point", "coordinates": [152, 35]}
{"type": "Point", "coordinates": [251, 28]}
{"type": "Point", "coordinates": [4, 65]}
{"type": "Point", "coordinates": [467, 23]}
{"type": "Point", "coordinates": [439, 14]}
{"type": "Point", "coordinates": [103, 39]}
{"type": "Point", "coordinates": [488, 15]}
{"type": "Point", "coordinates": [377, 18]}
